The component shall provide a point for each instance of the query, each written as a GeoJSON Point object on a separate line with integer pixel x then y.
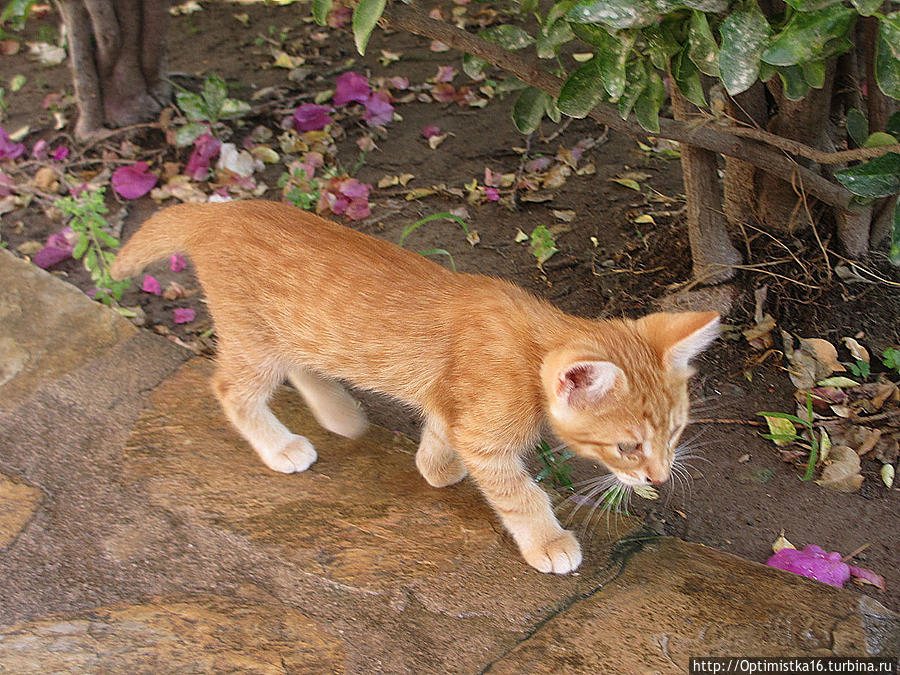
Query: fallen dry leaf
{"type": "Point", "coordinates": [857, 351]}
{"type": "Point", "coordinates": [760, 336]}
{"type": "Point", "coordinates": [887, 475]}
{"type": "Point", "coordinates": [842, 472]}
{"type": "Point", "coordinates": [781, 543]}
{"type": "Point", "coordinates": [565, 215]}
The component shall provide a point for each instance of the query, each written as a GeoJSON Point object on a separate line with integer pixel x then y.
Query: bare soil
{"type": "Point", "coordinates": [740, 494]}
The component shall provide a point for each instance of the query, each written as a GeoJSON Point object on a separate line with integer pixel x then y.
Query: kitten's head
{"type": "Point", "coordinates": [623, 400]}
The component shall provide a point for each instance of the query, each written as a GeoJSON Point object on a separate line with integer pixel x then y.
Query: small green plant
{"type": "Point", "coordinates": [556, 468]}
{"type": "Point", "coordinates": [299, 190]}
{"type": "Point", "coordinates": [890, 358]}
{"type": "Point", "coordinates": [15, 14]}
{"type": "Point", "coordinates": [409, 229]}
{"type": "Point", "coordinates": [782, 431]}
{"type": "Point", "coordinates": [87, 221]}
{"type": "Point", "coordinates": [543, 246]}
{"type": "Point", "coordinates": [204, 111]}
{"type": "Point", "coordinates": [860, 369]}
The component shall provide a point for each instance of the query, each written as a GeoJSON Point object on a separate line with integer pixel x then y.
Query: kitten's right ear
{"type": "Point", "coordinates": [585, 383]}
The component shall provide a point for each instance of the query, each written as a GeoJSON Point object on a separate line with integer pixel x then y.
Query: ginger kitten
{"type": "Point", "coordinates": [488, 365]}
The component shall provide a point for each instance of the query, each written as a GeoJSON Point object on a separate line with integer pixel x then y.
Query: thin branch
{"type": "Point", "coordinates": [718, 139]}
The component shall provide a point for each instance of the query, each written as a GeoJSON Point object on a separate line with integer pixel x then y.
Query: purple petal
{"type": "Point", "coordinates": [312, 117]}
{"type": "Point", "coordinates": [445, 74]}
{"type": "Point", "coordinates": [351, 87]}
{"type": "Point", "coordinates": [379, 110]}
{"type": "Point", "coordinates": [353, 189]}
{"type": "Point", "coordinates": [133, 181]}
{"type": "Point", "coordinates": [868, 575]}
{"type": "Point", "coordinates": [41, 149]}
{"type": "Point", "coordinates": [399, 82]}
{"type": "Point", "coordinates": [206, 147]}
{"type": "Point", "coordinates": [176, 262]}
{"type": "Point", "coordinates": [431, 130]}
{"type": "Point", "coordinates": [358, 209]}
{"type": "Point", "coordinates": [538, 164]}
{"type": "Point", "coordinates": [61, 154]}
{"type": "Point", "coordinates": [57, 249]}
{"type": "Point", "coordinates": [184, 315]}
{"type": "Point", "coordinates": [491, 194]}
{"type": "Point", "coordinates": [812, 562]}
{"type": "Point", "coordinates": [151, 285]}
{"type": "Point", "coordinates": [8, 149]}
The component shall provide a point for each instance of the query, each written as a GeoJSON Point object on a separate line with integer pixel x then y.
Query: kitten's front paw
{"type": "Point", "coordinates": [296, 456]}
{"type": "Point", "coordinates": [559, 555]}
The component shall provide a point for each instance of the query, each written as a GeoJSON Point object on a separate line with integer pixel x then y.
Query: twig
{"type": "Point", "coordinates": [855, 553]}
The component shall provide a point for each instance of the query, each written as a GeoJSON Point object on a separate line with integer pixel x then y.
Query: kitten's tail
{"type": "Point", "coordinates": [167, 232]}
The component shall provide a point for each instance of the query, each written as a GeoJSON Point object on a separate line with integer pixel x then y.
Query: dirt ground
{"type": "Point", "coordinates": [740, 494]}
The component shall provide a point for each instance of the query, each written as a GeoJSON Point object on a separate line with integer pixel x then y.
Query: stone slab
{"type": "Point", "coordinates": [47, 329]}
{"type": "Point", "coordinates": [676, 600]}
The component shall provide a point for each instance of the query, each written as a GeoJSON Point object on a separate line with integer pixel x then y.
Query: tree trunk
{"type": "Point", "coordinates": [712, 252]}
{"type": "Point", "coordinates": [118, 56]}
{"type": "Point", "coordinates": [749, 107]}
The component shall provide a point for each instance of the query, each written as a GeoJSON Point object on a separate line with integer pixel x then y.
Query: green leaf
{"type": "Point", "coordinates": [647, 105]}
{"type": "Point", "coordinates": [879, 139]}
{"type": "Point", "coordinates": [879, 177]}
{"type": "Point", "coordinates": [795, 85]}
{"type": "Point", "coordinates": [839, 382]}
{"type": "Point", "coordinates": [192, 105]}
{"type": "Point", "coordinates": [320, 10]}
{"type": "Point", "coordinates": [440, 251]}
{"type": "Point", "coordinates": [80, 246]}
{"type": "Point", "coordinates": [542, 244]}
{"type": "Point", "coordinates": [214, 94]}
{"type": "Point", "coordinates": [365, 17]}
{"type": "Point", "coordinates": [887, 55]}
{"type": "Point", "coordinates": [814, 73]}
{"type": "Point", "coordinates": [473, 66]}
{"type": "Point", "coordinates": [551, 39]}
{"type": "Point", "coordinates": [663, 42]}
{"type": "Point", "coordinates": [804, 36]}
{"type": "Point", "coordinates": [744, 34]}
{"type": "Point", "coordinates": [893, 125]}
{"type": "Point", "coordinates": [507, 36]}
{"type": "Point", "coordinates": [189, 133]}
{"type": "Point", "coordinates": [16, 12]}
{"type": "Point", "coordinates": [857, 126]}
{"type": "Point", "coordinates": [687, 77]}
{"type": "Point", "coordinates": [894, 254]}
{"type": "Point", "coordinates": [782, 430]}
{"type": "Point", "coordinates": [558, 11]}
{"type": "Point", "coordinates": [702, 47]}
{"type": "Point", "coordinates": [867, 7]}
{"type": "Point", "coordinates": [232, 108]}
{"type": "Point", "coordinates": [810, 5]}
{"type": "Point", "coordinates": [529, 108]}
{"type": "Point", "coordinates": [636, 81]}
{"type": "Point", "coordinates": [619, 14]}
{"type": "Point", "coordinates": [17, 82]}
{"type": "Point", "coordinates": [582, 90]}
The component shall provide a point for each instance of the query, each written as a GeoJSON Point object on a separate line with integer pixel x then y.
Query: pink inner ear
{"type": "Point", "coordinates": [587, 380]}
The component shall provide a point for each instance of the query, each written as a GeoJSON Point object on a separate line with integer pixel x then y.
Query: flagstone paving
{"type": "Point", "coordinates": [140, 534]}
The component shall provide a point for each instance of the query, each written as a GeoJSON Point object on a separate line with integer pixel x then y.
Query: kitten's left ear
{"type": "Point", "coordinates": [680, 336]}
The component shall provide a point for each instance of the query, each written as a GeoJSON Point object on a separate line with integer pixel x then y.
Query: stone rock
{"type": "Point", "coordinates": [190, 634]}
{"type": "Point", "coordinates": [47, 329]}
{"type": "Point", "coordinates": [18, 503]}
{"type": "Point", "coordinates": [684, 600]}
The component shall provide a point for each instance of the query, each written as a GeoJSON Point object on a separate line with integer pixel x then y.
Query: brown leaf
{"type": "Point", "coordinates": [760, 335]}
{"type": "Point", "coordinates": [857, 351]}
{"type": "Point", "coordinates": [842, 473]}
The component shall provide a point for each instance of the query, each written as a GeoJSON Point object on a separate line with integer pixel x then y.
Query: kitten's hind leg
{"type": "Point", "coordinates": [329, 402]}
{"type": "Point", "coordinates": [436, 459]}
{"type": "Point", "coordinates": [243, 393]}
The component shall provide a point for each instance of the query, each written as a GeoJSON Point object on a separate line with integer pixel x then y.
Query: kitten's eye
{"type": "Point", "coordinates": [629, 448]}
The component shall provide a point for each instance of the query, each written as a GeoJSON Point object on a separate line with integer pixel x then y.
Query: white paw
{"type": "Point", "coordinates": [559, 555]}
{"type": "Point", "coordinates": [296, 456]}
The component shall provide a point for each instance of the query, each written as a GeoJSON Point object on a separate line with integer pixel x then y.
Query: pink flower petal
{"type": "Point", "coordinates": [40, 150]}
{"type": "Point", "coordinates": [184, 315]}
{"type": "Point", "coordinates": [58, 248]}
{"type": "Point", "coordinates": [445, 74]}
{"type": "Point", "coordinates": [9, 149]}
{"type": "Point", "coordinates": [401, 83]}
{"type": "Point", "coordinates": [358, 209]}
{"type": "Point", "coordinates": [61, 154]}
{"type": "Point", "coordinates": [431, 130]}
{"type": "Point", "coordinates": [812, 562]}
{"type": "Point", "coordinates": [176, 262]}
{"type": "Point", "coordinates": [379, 110]}
{"type": "Point", "coordinates": [351, 87]}
{"type": "Point", "coordinates": [443, 92]}
{"type": "Point", "coordinates": [353, 189]}
{"type": "Point", "coordinates": [491, 194]}
{"type": "Point", "coordinates": [151, 285]}
{"type": "Point", "coordinates": [312, 117]}
{"type": "Point", "coordinates": [868, 575]}
{"type": "Point", "coordinates": [206, 147]}
{"type": "Point", "coordinates": [133, 181]}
